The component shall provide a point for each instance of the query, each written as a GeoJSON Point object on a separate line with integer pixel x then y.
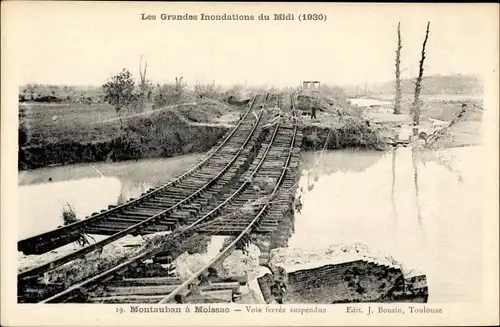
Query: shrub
{"type": "Point", "coordinates": [68, 215]}
{"type": "Point", "coordinates": [209, 91]}
{"type": "Point", "coordinates": [167, 94]}
{"type": "Point", "coordinates": [120, 91]}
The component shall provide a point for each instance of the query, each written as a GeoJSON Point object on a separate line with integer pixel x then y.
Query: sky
{"type": "Point", "coordinates": [84, 43]}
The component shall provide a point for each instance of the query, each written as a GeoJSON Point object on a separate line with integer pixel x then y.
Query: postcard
{"type": "Point", "coordinates": [262, 164]}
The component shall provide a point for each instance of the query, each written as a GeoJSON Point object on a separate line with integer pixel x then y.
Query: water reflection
{"type": "Point", "coordinates": [423, 208]}
{"type": "Point", "coordinates": [88, 188]}
{"type": "Point", "coordinates": [369, 102]}
{"type": "Point", "coordinates": [414, 159]}
{"type": "Point", "coordinates": [401, 202]}
{"type": "Point", "coordinates": [131, 189]}
{"type": "Point", "coordinates": [41, 205]}
{"type": "Point", "coordinates": [393, 188]}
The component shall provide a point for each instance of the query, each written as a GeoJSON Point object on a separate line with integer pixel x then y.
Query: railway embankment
{"type": "Point", "coordinates": [165, 136]}
{"type": "Point", "coordinates": [161, 135]}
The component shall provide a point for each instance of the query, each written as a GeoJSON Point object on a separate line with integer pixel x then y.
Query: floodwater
{"type": "Point", "coordinates": [366, 102]}
{"type": "Point", "coordinates": [423, 209]}
{"type": "Point", "coordinates": [88, 188]}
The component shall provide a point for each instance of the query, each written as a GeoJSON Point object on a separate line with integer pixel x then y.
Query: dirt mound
{"type": "Point", "coordinates": [205, 111]}
{"type": "Point", "coordinates": [201, 111]}
{"type": "Point", "coordinates": [329, 99]}
{"type": "Point", "coordinates": [350, 133]}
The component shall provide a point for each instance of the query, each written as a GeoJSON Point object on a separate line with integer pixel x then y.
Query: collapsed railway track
{"type": "Point", "coordinates": [165, 207]}
{"type": "Point", "coordinates": [50, 240]}
{"type": "Point", "coordinates": [272, 158]}
{"type": "Point", "coordinates": [282, 141]}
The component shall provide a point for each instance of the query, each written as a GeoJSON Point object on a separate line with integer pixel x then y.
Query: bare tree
{"type": "Point", "coordinates": [418, 85]}
{"type": "Point", "coordinates": [179, 85]}
{"type": "Point", "coordinates": [397, 100]}
{"type": "Point", "coordinates": [144, 85]}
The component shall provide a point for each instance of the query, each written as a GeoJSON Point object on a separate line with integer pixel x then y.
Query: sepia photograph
{"type": "Point", "coordinates": [329, 162]}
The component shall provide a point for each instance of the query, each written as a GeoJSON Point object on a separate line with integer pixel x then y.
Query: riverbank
{"type": "Point", "coordinates": [167, 132]}
{"type": "Point", "coordinates": [171, 132]}
{"type": "Point", "coordinates": [58, 134]}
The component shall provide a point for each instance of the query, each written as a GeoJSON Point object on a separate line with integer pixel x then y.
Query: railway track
{"type": "Point", "coordinates": [276, 157]}
{"type": "Point", "coordinates": [50, 240]}
{"type": "Point", "coordinates": [281, 155]}
{"type": "Point", "coordinates": [166, 207]}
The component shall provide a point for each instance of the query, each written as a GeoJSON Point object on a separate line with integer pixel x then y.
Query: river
{"type": "Point", "coordinates": [421, 208]}
{"type": "Point", "coordinates": [88, 188]}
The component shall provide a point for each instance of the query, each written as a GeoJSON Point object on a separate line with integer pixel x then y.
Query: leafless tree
{"type": "Point", "coordinates": [179, 85]}
{"type": "Point", "coordinates": [418, 85]}
{"type": "Point", "coordinates": [397, 100]}
{"type": "Point", "coordinates": [144, 85]}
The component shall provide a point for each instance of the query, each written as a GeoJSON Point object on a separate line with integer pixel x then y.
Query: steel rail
{"type": "Point", "coordinates": [108, 274]}
{"type": "Point", "coordinates": [130, 230]}
{"type": "Point", "coordinates": [221, 254]}
{"type": "Point", "coordinates": [82, 223]}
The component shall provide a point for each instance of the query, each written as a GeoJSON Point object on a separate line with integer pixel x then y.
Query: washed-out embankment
{"type": "Point", "coordinates": [161, 135]}
{"type": "Point", "coordinates": [165, 136]}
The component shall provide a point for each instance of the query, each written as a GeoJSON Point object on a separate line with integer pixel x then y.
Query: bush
{"type": "Point", "coordinates": [69, 215]}
{"type": "Point", "coordinates": [167, 94]}
{"type": "Point", "coordinates": [208, 91]}
{"type": "Point", "coordinates": [353, 133]}
{"type": "Point", "coordinates": [120, 91]}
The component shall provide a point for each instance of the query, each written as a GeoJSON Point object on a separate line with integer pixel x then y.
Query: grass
{"type": "Point", "coordinates": [52, 123]}
{"type": "Point", "coordinates": [47, 123]}
{"type": "Point", "coordinates": [69, 217]}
